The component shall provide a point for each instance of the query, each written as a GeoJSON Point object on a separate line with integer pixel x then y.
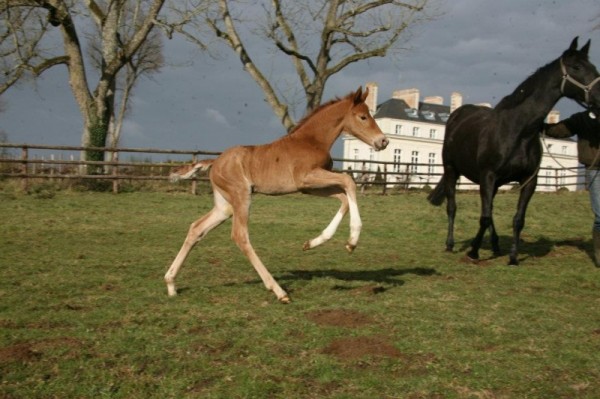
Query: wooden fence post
{"type": "Point", "coordinates": [115, 172]}
{"type": "Point", "coordinates": [24, 159]}
{"type": "Point", "coordinates": [194, 182]}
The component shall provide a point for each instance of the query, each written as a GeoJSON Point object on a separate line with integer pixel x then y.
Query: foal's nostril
{"type": "Point", "coordinates": [384, 143]}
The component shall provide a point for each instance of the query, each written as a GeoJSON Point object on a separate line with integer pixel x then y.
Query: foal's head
{"type": "Point", "coordinates": [581, 80]}
{"type": "Point", "coordinates": [360, 124]}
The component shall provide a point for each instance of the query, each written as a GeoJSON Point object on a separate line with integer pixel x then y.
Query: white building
{"type": "Point", "coordinates": [416, 132]}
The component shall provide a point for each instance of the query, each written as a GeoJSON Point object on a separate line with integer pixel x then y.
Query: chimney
{"type": "Point", "coordinates": [410, 96]}
{"type": "Point", "coordinates": [456, 100]}
{"type": "Point", "coordinates": [434, 100]}
{"type": "Point", "coordinates": [372, 97]}
{"type": "Point", "coordinates": [553, 116]}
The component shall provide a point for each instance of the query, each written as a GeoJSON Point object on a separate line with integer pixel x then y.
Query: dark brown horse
{"type": "Point", "coordinates": [492, 147]}
{"type": "Point", "coordinates": [299, 161]}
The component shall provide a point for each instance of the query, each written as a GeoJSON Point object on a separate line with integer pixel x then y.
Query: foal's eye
{"type": "Point", "coordinates": [363, 118]}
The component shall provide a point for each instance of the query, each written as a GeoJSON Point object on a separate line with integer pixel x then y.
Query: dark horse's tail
{"type": "Point", "coordinates": [437, 196]}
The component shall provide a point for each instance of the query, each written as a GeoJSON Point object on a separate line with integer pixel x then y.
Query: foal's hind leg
{"type": "Point", "coordinates": [239, 234]}
{"type": "Point", "coordinates": [220, 212]}
{"type": "Point", "coordinates": [335, 222]}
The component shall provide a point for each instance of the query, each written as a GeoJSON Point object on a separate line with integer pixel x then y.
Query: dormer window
{"type": "Point", "coordinates": [444, 116]}
{"type": "Point", "coordinates": [411, 112]}
{"type": "Point", "coordinates": [429, 115]}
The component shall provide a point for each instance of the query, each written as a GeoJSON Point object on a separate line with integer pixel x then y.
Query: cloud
{"type": "Point", "coordinates": [216, 116]}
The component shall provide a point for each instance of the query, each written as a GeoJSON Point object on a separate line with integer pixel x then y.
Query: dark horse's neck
{"type": "Point", "coordinates": [533, 99]}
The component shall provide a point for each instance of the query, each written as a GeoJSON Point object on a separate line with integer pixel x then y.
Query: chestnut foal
{"type": "Point", "coordinates": [297, 162]}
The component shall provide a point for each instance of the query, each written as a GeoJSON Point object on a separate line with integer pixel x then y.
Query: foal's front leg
{"type": "Point", "coordinates": [320, 179]}
{"type": "Point", "coordinates": [331, 228]}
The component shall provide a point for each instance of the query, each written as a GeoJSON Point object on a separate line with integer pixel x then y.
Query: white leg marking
{"type": "Point", "coordinates": [355, 222]}
{"type": "Point", "coordinates": [328, 232]}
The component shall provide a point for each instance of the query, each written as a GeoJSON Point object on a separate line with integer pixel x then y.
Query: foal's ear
{"type": "Point", "coordinates": [358, 96]}
{"type": "Point", "coordinates": [365, 94]}
{"type": "Point", "coordinates": [586, 47]}
{"type": "Point", "coordinates": [573, 45]}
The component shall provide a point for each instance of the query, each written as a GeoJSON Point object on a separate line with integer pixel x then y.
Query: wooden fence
{"type": "Point", "coordinates": [28, 161]}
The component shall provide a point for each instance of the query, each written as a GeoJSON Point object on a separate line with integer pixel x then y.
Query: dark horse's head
{"type": "Point", "coordinates": [580, 80]}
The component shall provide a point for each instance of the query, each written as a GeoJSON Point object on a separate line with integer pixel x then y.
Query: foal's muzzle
{"type": "Point", "coordinates": [381, 143]}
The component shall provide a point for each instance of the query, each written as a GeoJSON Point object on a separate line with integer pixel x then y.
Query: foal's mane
{"type": "Point", "coordinates": [319, 108]}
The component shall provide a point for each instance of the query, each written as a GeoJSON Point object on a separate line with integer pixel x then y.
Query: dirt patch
{"type": "Point", "coordinates": [21, 353]}
{"type": "Point", "coordinates": [475, 262]}
{"type": "Point", "coordinates": [358, 347]}
{"type": "Point", "coordinates": [363, 290]}
{"type": "Point", "coordinates": [340, 318]}
{"type": "Point", "coordinates": [24, 352]}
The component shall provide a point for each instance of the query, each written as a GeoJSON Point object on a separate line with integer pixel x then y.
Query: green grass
{"type": "Point", "coordinates": [84, 311]}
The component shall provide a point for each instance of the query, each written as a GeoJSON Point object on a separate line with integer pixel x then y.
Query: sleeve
{"type": "Point", "coordinates": [557, 130]}
{"type": "Point", "coordinates": [567, 127]}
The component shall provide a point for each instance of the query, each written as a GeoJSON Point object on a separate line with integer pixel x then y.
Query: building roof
{"type": "Point", "coordinates": [428, 113]}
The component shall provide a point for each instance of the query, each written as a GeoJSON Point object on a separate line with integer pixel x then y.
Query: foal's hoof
{"type": "Point", "coordinates": [285, 300]}
{"type": "Point", "coordinates": [306, 246]}
{"type": "Point", "coordinates": [350, 248]}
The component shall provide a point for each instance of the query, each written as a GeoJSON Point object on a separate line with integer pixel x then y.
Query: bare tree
{"type": "Point", "coordinates": [319, 37]}
{"type": "Point", "coordinates": [26, 35]}
{"type": "Point", "coordinates": [147, 61]}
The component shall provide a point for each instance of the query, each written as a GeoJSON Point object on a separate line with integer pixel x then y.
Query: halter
{"type": "Point", "coordinates": [566, 77]}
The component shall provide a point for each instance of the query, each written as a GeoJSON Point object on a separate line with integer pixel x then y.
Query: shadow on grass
{"type": "Point", "coordinates": [537, 249]}
{"type": "Point", "coordinates": [380, 276]}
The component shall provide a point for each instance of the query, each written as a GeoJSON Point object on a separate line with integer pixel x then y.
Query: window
{"type": "Point", "coordinates": [397, 160]}
{"type": "Point", "coordinates": [416, 131]}
{"type": "Point", "coordinates": [431, 161]}
{"type": "Point", "coordinates": [371, 158]}
{"type": "Point", "coordinates": [398, 129]}
{"type": "Point", "coordinates": [564, 150]}
{"type": "Point", "coordinates": [414, 160]}
{"type": "Point", "coordinates": [562, 177]}
{"type": "Point", "coordinates": [432, 133]}
{"type": "Point", "coordinates": [355, 158]}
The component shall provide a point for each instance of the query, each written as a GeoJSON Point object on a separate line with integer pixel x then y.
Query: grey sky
{"type": "Point", "coordinates": [480, 48]}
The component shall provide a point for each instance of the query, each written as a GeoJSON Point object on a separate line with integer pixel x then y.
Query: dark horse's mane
{"type": "Point", "coordinates": [526, 88]}
{"type": "Point", "coordinates": [314, 111]}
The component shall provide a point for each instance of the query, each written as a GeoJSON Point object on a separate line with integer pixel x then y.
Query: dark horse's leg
{"type": "Point", "coordinates": [493, 235]}
{"type": "Point", "coordinates": [450, 178]}
{"type": "Point", "coordinates": [527, 191]}
{"type": "Point", "coordinates": [486, 192]}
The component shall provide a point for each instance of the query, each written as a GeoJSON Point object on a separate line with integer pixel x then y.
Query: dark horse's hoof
{"type": "Point", "coordinates": [469, 259]}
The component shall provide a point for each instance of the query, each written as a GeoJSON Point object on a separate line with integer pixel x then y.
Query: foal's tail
{"type": "Point", "coordinates": [437, 196]}
{"type": "Point", "coordinates": [188, 171]}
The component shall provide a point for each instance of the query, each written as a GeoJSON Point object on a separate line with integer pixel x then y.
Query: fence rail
{"type": "Point", "coordinates": [385, 175]}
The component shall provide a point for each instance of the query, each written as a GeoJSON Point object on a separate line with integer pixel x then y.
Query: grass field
{"type": "Point", "coordinates": [84, 311]}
